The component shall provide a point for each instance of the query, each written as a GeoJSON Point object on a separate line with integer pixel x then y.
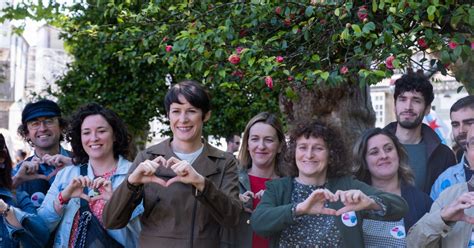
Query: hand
{"type": "Point", "coordinates": [355, 200]}
{"type": "Point", "coordinates": [58, 160]}
{"type": "Point", "coordinates": [315, 203]}
{"type": "Point", "coordinates": [104, 187]}
{"type": "Point", "coordinates": [185, 174]}
{"type": "Point", "coordinates": [455, 211]}
{"type": "Point", "coordinates": [145, 172]}
{"type": "Point", "coordinates": [259, 194]}
{"type": "Point", "coordinates": [75, 188]}
{"type": "Point", "coordinates": [3, 206]}
{"type": "Point", "coordinates": [245, 197]}
{"type": "Point", "coordinates": [28, 171]}
{"type": "Point", "coordinates": [32, 166]}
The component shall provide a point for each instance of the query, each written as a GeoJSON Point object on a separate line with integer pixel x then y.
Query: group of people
{"type": "Point", "coordinates": [298, 189]}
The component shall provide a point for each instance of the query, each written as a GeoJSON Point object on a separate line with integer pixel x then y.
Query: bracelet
{"type": "Point", "coordinates": [61, 199]}
{"type": "Point", "coordinates": [5, 212]}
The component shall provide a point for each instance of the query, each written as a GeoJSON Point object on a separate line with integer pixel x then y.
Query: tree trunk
{"type": "Point", "coordinates": [347, 107]}
{"type": "Point", "coordinates": [464, 74]}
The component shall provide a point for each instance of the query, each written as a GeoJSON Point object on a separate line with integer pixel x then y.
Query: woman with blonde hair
{"type": "Point", "coordinates": [381, 161]}
{"type": "Point", "coordinates": [261, 160]}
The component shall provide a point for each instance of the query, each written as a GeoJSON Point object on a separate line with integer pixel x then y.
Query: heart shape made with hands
{"type": "Point", "coordinates": [172, 163]}
{"type": "Point", "coordinates": [353, 200]}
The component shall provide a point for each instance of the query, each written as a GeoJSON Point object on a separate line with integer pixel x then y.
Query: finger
{"type": "Point", "coordinates": [171, 161]}
{"type": "Point", "coordinates": [85, 197]}
{"type": "Point", "coordinates": [328, 211]}
{"type": "Point", "coordinates": [244, 198]}
{"type": "Point", "coordinates": [249, 194]}
{"type": "Point", "coordinates": [160, 161]}
{"type": "Point", "coordinates": [172, 180]}
{"type": "Point", "coordinates": [53, 173]}
{"type": "Point", "coordinates": [344, 210]}
{"type": "Point", "coordinates": [41, 176]}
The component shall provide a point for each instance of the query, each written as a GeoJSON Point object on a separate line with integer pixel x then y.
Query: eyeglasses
{"type": "Point", "coordinates": [48, 122]}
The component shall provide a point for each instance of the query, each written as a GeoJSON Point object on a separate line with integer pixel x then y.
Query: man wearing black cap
{"type": "Point", "coordinates": [42, 127]}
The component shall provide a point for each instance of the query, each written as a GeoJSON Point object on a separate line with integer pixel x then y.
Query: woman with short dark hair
{"type": "Point", "coordinates": [189, 188]}
{"type": "Point", "coordinates": [321, 205]}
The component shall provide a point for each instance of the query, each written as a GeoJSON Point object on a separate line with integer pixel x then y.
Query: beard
{"type": "Point", "coordinates": [461, 140]}
{"type": "Point", "coordinates": [410, 124]}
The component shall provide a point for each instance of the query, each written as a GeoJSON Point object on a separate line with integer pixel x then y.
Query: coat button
{"type": "Point", "coordinates": [248, 222]}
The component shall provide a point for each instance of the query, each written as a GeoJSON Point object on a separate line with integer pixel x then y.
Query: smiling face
{"type": "Point", "coordinates": [312, 157]}
{"type": "Point", "coordinates": [97, 137]}
{"type": "Point", "coordinates": [461, 121]}
{"type": "Point", "coordinates": [186, 122]}
{"type": "Point", "coordinates": [410, 108]}
{"type": "Point", "coordinates": [263, 145]}
{"type": "Point", "coordinates": [44, 133]}
{"type": "Point", "coordinates": [382, 157]}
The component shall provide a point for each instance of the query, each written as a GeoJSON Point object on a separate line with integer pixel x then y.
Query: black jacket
{"type": "Point", "coordinates": [438, 156]}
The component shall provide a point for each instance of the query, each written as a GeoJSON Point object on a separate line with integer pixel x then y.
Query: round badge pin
{"type": "Point", "coordinates": [349, 219]}
{"type": "Point", "coordinates": [37, 198]}
{"type": "Point", "coordinates": [398, 232]}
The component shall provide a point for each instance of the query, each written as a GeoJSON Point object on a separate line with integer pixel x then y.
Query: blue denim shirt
{"type": "Point", "coordinates": [32, 233]}
{"type": "Point", "coordinates": [127, 236]}
{"type": "Point", "coordinates": [451, 176]}
{"type": "Point", "coordinates": [38, 188]}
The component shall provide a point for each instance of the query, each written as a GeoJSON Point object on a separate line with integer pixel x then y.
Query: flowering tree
{"type": "Point", "coordinates": [310, 59]}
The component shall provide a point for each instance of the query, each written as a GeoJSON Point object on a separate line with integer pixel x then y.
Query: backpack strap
{"type": "Point", "coordinates": [84, 203]}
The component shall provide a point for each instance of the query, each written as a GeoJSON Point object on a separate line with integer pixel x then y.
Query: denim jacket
{"type": "Point", "coordinates": [32, 233]}
{"type": "Point", "coordinates": [127, 236]}
{"type": "Point", "coordinates": [451, 176]}
{"type": "Point", "coordinates": [38, 188]}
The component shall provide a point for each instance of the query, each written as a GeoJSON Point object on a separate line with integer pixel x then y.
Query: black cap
{"type": "Point", "coordinates": [41, 108]}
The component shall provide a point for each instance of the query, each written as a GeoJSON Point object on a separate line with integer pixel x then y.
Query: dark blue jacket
{"type": "Point", "coordinates": [34, 232]}
{"type": "Point", "coordinates": [418, 202]}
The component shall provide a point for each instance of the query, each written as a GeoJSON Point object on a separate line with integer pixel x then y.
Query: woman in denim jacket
{"type": "Point", "coordinates": [100, 141]}
{"type": "Point", "coordinates": [20, 225]}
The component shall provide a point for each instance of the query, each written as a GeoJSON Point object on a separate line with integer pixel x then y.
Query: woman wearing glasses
{"type": "Point", "coordinates": [20, 226]}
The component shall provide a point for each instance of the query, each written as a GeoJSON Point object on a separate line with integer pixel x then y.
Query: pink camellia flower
{"type": "Point", "coordinates": [362, 13]}
{"type": "Point", "coordinates": [344, 70]}
{"type": "Point", "coordinates": [452, 45]}
{"type": "Point", "coordinates": [422, 43]}
{"type": "Point", "coordinates": [169, 48]}
{"type": "Point", "coordinates": [278, 10]}
{"type": "Point", "coordinates": [234, 59]}
{"type": "Point", "coordinates": [472, 44]}
{"type": "Point", "coordinates": [290, 78]}
{"type": "Point", "coordinates": [269, 82]}
{"type": "Point", "coordinates": [279, 59]}
{"type": "Point", "coordinates": [389, 62]}
{"type": "Point", "coordinates": [238, 50]}
{"type": "Point", "coordinates": [165, 39]}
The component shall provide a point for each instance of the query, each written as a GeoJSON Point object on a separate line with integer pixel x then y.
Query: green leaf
{"type": "Point", "coordinates": [370, 26]}
{"type": "Point", "coordinates": [337, 12]}
{"type": "Point", "coordinates": [222, 74]}
{"type": "Point", "coordinates": [374, 6]}
{"type": "Point", "coordinates": [315, 58]}
{"type": "Point", "coordinates": [356, 29]}
{"type": "Point", "coordinates": [251, 61]}
{"type": "Point", "coordinates": [431, 11]}
{"type": "Point", "coordinates": [309, 11]}
{"type": "Point", "coordinates": [457, 51]}
{"type": "Point", "coordinates": [324, 75]}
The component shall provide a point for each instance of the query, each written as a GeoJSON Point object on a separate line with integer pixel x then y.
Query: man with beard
{"type": "Point", "coordinates": [428, 157]}
{"type": "Point", "coordinates": [462, 118]}
{"type": "Point", "coordinates": [42, 127]}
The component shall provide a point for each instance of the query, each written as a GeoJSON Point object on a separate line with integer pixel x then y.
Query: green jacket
{"type": "Point", "coordinates": [274, 214]}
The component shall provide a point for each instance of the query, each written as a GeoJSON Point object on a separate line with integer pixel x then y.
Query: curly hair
{"type": "Point", "coordinates": [6, 171]}
{"type": "Point", "coordinates": [360, 167]}
{"type": "Point", "coordinates": [23, 130]}
{"type": "Point", "coordinates": [272, 120]}
{"type": "Point", "coordinates": [121, 136]}
{"type": "Point", "coordinates": [338, 164]}
{"type": "Point", "coordinates": [414, 82]}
